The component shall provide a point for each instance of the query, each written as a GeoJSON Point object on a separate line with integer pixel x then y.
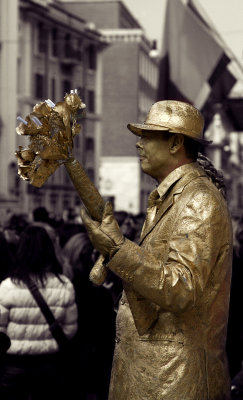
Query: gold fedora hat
{"type": "Point", "coordinates": [175, 117]}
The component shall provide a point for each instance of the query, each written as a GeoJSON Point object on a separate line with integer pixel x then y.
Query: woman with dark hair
{"type": "Point", "coordinates": [32, 367]}
{"type": "Point", "coordinates": [94, 344]}
{"type": "Point", "coordinates": [6, 258]}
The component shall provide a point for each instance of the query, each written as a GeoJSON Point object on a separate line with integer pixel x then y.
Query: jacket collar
{"type": "Point", "coordinates": [173, 184]}
{"type": "Point", "coordinates": [173, 177]}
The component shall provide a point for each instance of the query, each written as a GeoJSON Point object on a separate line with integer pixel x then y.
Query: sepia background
{"type": "Point", "coordinates": [121, 56]}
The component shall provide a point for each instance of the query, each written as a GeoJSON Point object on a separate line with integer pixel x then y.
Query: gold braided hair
{"type": "Point", "coordinates": [215, 175]}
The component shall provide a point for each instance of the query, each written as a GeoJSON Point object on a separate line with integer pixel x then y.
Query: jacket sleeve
{"type": "Point", "coordinates": [69, 323]}
{"type": "Point", "coordinates": [4, 310]}
{"type": "Point", "coordinates": [3, 318]}
{"type": "Point", "coordinates": [175, 273]}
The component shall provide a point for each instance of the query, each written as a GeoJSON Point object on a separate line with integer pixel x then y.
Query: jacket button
{"type": "Point", "coordinates": [117, 340]}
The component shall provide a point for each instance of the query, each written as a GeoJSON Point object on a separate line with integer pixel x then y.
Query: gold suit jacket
{"type": "Point", "coordinates": [172, 317]}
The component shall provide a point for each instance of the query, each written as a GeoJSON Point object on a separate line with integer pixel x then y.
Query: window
{"type": "Point", "coordinates": [91, 57]}
{"type": "Point", "coordinates": [53, 89]}
{"type": "Point", "coordinates": [39, 86]}
{"type": "Point", "coordinates": [42, 38]}
{"type": "Point", "coordinates": [66, 201]}
{"type": "Point", "coordinates": [89, 144]}
{"type": "Point", "coordinates": [77, 201]}
{"type": "Point", "coordinates": [53, 200]}
{"type": "Point", "coordinates": [80, 91]}
{"type": "Point", "coordinates": [66, 86]}
{"type": "Point", "coordinates": [37, 200]}
{"type": "Point", "coordinates": [90, 172]}
{"type": "Point", "coordinates": [54, 34]}
{"type": "Point", "coordinates": [91, 101]}
{"type": "Point", "coordinates": [67, 46]}
{"type": "Point", "coordinates": [79, 50]}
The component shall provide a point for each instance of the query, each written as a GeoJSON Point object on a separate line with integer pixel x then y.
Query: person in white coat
{"type": "Point", "coordinates": [33, 367]}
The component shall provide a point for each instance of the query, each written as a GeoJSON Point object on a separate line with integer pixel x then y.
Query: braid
{"type": "Point", "coordinates": [215, 175]}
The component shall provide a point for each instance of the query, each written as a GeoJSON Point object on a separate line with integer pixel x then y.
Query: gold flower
{"type": "Point", "coordinates": [51, 129]}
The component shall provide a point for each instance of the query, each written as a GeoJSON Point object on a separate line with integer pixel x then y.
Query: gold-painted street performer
{"type": "Point", "coordinates": [172, 317]}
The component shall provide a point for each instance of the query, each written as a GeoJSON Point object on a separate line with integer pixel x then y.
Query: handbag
{"type": "Point", "coordinates": [55, 328]}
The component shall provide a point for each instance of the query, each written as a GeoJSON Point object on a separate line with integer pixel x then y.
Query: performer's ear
{"type": "Point", "coordinates": [177, 141]}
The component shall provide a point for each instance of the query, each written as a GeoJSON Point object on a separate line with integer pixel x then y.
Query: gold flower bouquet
{"type": "Point", "coordinates": [51, 129]}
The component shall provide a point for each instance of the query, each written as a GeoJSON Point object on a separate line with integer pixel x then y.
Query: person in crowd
{"type": "Point", "coordinates": [17, 223]}
{"type": "Point", "coordinates": [138, 220]}
{"type": "Point", "coordinates": [172, 318]}
{"type": "Point", "coordinates": [13, 228]}
{"type": "Point", "coordinates": [64, 232]}
{"type": "Point", "coordinates": [6, 257]}
{"type": "Point", "coordinates": [129, 230]}
{"type": "Point", "coordinates": [128, 227]}
{"type": "Point", "coordinates": [67, 230]}
{"type": "Point", "coordinates": [41, 218]}
{"type": "Point", "coordinates": [234, 345]}
{"type": "Point", "coordinates": [70, 215]}
{"type": "Point", "coordinates": [235, 323]}
{"type": "Point", "coordinates": [96, 322]}
{"type": "Point", "coordinates": [33, 367]}
{"type": "Point", "coordinates": [40, 214]}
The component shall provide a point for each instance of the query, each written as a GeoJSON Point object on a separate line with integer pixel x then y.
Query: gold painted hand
{"type": "Point", "coordinates": [105, 236]}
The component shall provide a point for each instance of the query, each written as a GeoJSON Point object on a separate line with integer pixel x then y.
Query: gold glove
{"type": "Point", "coordinates": [98, 272]}
{"type": "Point", "coordinates": [105, 236]}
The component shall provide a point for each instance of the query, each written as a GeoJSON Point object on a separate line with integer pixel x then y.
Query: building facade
{"type": "Point", "coordinates": [45, 52]}
{"type": "Point", "coordinates": [129, 87]}
{"type": "Point", "coordinates": [226, 151]}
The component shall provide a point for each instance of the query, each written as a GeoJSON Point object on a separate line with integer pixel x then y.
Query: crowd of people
{"type": "Point", "coordinates": [165, 320]}
{"type": "Point", "coordinates": [234, 344]}
{"type": "Point", "coordinates": [58, 256]}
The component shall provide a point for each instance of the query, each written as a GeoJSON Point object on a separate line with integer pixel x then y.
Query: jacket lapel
{"type": "Point", "coordinates": [167, 203]}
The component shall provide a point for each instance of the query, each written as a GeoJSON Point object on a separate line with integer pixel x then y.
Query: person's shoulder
{"type": "Point", "coordinates": [58, 282]}
{"type": "Point", "coordinates": [59, 289]}
{"type": "Point", "coordinates": [201, 196]}
{"type": "Point", "coordinates": [12, 293]}
{"type": "Point", "coordinates": [202, 186]}
{"type": "Point", "coordinates": [7, 284]}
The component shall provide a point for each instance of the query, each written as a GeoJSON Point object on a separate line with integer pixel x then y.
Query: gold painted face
{"type": "Point", "coordinates": [154, 154]}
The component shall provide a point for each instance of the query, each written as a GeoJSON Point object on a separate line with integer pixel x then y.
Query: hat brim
{"type": "Point", "coordinates": [139, 129]}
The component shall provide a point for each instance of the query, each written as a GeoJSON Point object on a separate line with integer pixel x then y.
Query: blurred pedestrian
{"type": "Point", "coordinates": [33, 366]}
{"type": "Point", "coordinates": [41, 218]}
{"type": "Point", "coordinates": [96, 322]}
{"type": "Point", "coordinates": [13, 228]}
{"type": "Point", "coordinates": [67, 230]}
{"type": "Point", "coordinates": [6, 258]}
{"type": "Point", "coordinates": [234, 344]}
{"type": "Point", "coordinates": [138, 220]}
{"type": "Point", "coordinates": [128, 228]}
